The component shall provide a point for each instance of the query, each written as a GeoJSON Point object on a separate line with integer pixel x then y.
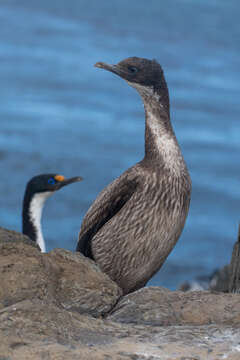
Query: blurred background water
{"type": "Point", "coordinates": [60, 114]}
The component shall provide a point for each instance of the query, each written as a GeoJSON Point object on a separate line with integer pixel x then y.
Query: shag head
{"type": "Point", "coordinates": [38, 189]}
{"type": "Point", "coordinates": [49, 183]}
{"type": "Point", "coordinates": [143, 74]}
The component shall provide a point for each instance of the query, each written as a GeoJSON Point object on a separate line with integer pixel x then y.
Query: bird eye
{"type": "Point", "coordinates": [51, 181]}
{"type": "Point", "coordinates": [132, 69]}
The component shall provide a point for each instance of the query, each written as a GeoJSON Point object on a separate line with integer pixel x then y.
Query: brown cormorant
{"type": "Point", "coordinates": [134, 223]}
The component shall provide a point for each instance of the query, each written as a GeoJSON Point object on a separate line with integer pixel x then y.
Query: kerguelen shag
{"type": "Point", "coordinates": [38, 189]}
{"type": "Point", "coordinates": [134, 223]}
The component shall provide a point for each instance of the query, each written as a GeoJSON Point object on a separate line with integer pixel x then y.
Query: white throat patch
{"type": "Point", "coordinates": [166, 144]}
{"type": "Point", "coordinates": [35, 212]}
{"type": "Point", "coordinates": [143, 90]}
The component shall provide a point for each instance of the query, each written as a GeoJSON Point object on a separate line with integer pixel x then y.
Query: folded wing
{"type": "Point", "coordinates": [108, 203]}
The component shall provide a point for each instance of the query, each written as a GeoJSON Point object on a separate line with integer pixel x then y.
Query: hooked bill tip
{"type": "Point", "coordinates": [99, 64]}
{"type": "Point", "coordinates": [75, 179]}
{"type": "Point", "coordinates": [71, 180]}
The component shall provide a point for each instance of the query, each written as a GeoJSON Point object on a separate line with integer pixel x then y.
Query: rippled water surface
{"type": "Point", "coordinates": [60, 114]}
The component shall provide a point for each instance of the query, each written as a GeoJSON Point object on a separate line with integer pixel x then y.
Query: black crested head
{"type": "Point", "coordinates": [48, 183]}
{"type": "Point", "coordinates": [138, 71]}
{"type": "Point", "coordinates": [38, 189]}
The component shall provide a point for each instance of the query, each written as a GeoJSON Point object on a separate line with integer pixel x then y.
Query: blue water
{"type": "Point", "coordinates": [60, 114]}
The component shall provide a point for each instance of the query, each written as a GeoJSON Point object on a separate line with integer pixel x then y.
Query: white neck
{"type": "Point", "coordinates": [35, 213]}
{"type": "Point", "coordinates": [160, 135]}
{"type": "Point", "coordinates": [166, 144]}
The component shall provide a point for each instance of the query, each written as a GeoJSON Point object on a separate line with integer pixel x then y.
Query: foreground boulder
{"type": "Point", "coordinates": [59, 277]}
{"type": "Point", "coordinates": [60, 306]}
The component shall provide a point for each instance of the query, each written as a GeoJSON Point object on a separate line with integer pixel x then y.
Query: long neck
{"type": "Point", "coordinates": [31, 217]}
{"type": "Point", "coordinates": [161, 146]}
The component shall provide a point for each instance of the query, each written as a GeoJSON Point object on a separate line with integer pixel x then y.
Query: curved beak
{"type": "Point", "coordinates": [116, 69]}
{"type": "Point", "coordinates": [69, 181]}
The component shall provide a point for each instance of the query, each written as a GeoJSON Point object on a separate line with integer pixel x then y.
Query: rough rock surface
{"type": "Point", "coordinates": [60, 277]}
{"type": "Point", "coordinates": [14, 236]}
{"type": "Point", "coordinates": [32, 330]}
{"type": "Point", "coordinates": [59, 306]}
{"type": "Point", "coordinates": [162, 307]}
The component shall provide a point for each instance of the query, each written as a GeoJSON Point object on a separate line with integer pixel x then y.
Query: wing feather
{"type": "Point", "coordinates": [108, 203]}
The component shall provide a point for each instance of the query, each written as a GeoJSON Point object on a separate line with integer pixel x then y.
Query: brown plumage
{"type": "Point", "coordinates": [135, 221]}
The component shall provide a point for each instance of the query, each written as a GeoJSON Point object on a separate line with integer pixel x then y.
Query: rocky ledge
{"type": "Point", "coordinates": [61, 306]}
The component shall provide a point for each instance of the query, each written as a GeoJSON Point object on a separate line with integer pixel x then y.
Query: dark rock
{"type": "Point", "coordinates": [217, 281]}
{"type": "Point", "coordinates": [226, 279]}
{"type": "Point", "coordinates": [234, 283]}
{"type": "Point", "coordinates": [220, 279]}
{"type": "Point", "coordinates": [200, 283]}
